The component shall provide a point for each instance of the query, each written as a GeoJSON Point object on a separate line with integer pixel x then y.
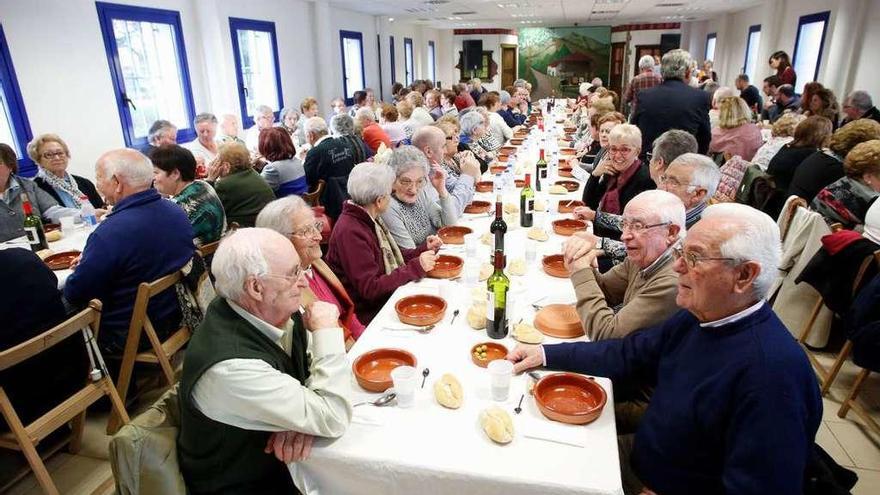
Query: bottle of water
{"type": "Point", "coordinates": [87, 212]}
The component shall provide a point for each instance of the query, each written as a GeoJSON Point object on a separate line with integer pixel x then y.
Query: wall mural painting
{"type": "Point", "coordinates": [557, 60]}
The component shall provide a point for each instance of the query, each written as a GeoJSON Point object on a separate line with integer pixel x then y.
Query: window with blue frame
{"type": "Point", "coordinates": [432, 62]}
{"type": "Point", "coordinates": [147, 57]}
{"type": "Point", "coordinates": [257, 72]}
{"type": "Point", "coordinates": [710, 46]}
{"type": "Point", "coordinates": [752, 44]}
{"type": "Point", "coordinates": [808, 48]}
{"type": "Point", "coordinates": [408, 60]}
{"type": "Point", "coordinates": [393, 61]}
{"type": "Point", "coordinates": [353, 76]}
{"type": "Point", "coordinates": [14, 127]}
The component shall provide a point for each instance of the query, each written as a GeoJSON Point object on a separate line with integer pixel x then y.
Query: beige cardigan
{"type": "Point", "coordinates": [646, 302]}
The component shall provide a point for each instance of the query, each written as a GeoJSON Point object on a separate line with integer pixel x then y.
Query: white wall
{"type": "Point", "coordinates": [491, 42]}
{"type": "Point", "coordinates": [420, 36]}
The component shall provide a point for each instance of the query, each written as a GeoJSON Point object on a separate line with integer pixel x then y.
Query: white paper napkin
{"type": "Point", "coordinates": [552, 431]}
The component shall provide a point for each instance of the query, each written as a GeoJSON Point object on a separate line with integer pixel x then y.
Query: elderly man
{"type": "Point", "coordinates": [372, 132]}
{"type": "Point", "coordinates": [258, 376]}
{"type": "Point", "coordinates": [264, 118]}
{"type": "Point", "coordinates": [858, 105]}
{"type": "Point", "coordinates": [294, 219]}
{"type": "Point", "coordinates": [674, 104]}
{"type": "Point", "coordinates": [643, 286]}
{"type": "Point", "coordinates": [510, 102]}
{"type": "Point", "coordinates": [331, 160]}
{"type": "Point", "coordinates": [646, 79]}
{"type": "Point", "coordinates": [749, 93]}
{"type": "Point", "coordinates": [142, 239]}
{"type": "Point", "coordinates": [694, 179]}
{"type": "Point", "coordinates": [161, 132]}
{"type": "Point", "coordinates": [204, 147]}
{"type": "Point", "coordinates": [736, 405]}
{"type": "Point", "coordinates": [230, 127]}
{"type": "Point", "coordinates": [432, 142]}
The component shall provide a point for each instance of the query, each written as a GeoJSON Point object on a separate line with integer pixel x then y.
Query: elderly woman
{"type": "Point", "coordinates": [388, 121]}
{"type": "Point", "coordinates": [491, 103]}
{"type": "Point", "coordinates": [240, 188]}
{"type": "Point", "coordinates": [174, 176]}
{"type": "Point", "coordinates": [294, 219]}
{"type": "Point", "coordinates": [309, 108]}
{"type": "Point", "coordinates": [12, 190]}
{"type": "Point", "coordinates": [781, 134]}
{"type": "Point", "coordinates": [823, 102]}
{"type": "Point", "coordinates": [264, 118]}
{"type": "Point", "coordinates": [604, 124]}
{"type": "Point", "coordinates": [736, 134]}
{"type": "Point", "coordinates": [52, 155]}
{"type": "Point", "coordinates": [620, 176]}
{"type": "Point", "coordinates": [290, 120]}
{"type": "Point", "coordinates": [420, 203]}
{"type": "Point", "coordinates": [847, 200]}
{"type": "Point", "coordinates": [284, 173]}
{"type": "Point", "coordinates": [447, 102]}
{"type": "Point", "coordinates": [405, 112]}
{"type": "Point", "coordinates": [342, 127]}
{"type": "Point", "coordinates": [473, 128]}
{"type": "Point", "coordinates": [362, 251]}
{"type": "Point", "coordinates": [204, 147]}
{"type": "Point", "coordinates": [809, 136]}
{"type": "Point", "coordinates": [717, 94]}
{"type": "Point", "coordinates": [490, 140]}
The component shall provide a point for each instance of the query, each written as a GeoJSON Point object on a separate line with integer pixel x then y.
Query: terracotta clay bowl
{"type": "Point", "coordinates": [453, 234]}
{"type": "Point", "coordinates": [497, 169]}
{"type": "Point", "coordinates": [494, 351]}
{"type": "Point", "coordinates": [519, 183]}
{"type": "Point", "coordinates": [516, 141]}
{"type": "Point", "coordinates": [502, 158]}
{"type": "Point", "coordinates": [560, 321]}
{"type": "Point", "coordinates": [568, 226]}
{"type": "Point", "coordinates": [420, 310]}
{"type": "Point", "coordinates": [447, 266]}
{"type": "Point", "coordinates": [520, 134]}
{"type": "Point", "coordinates": [567, 151]}
{"type": "Point", "coordinates": [62, 260]}
{"type": "Point", "coordinates": [570, 398]}
{"type": "Point", "coordinates": [565, 172]}
{"type": "Point", "coordinates": [372, 369]}
{"type": "Point", "coordinates": [569, 129]}
{"type": "Point", "coordinates": [51, 227]}
{"type": "Point", "coordinates": [569, 185]}
{"type": "Point", "coordinates": [478, 206]}
{"type": "Point", "coordinates": [485, 186]}
{"type": "Point", "coordinates": [569, 206]}
{"type": "Point", "coordinates": [554, 266]}
{"type": "Point", "coordinates": [507, 150]}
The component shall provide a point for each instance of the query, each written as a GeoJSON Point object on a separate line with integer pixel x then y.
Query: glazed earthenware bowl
{"type": "Point", "coordinates": [446, 266]}
{"type": "Point", "coordinates": [560, 321]}
{"type": "Point", "coordinates": [62, 260]}
{"type": "Point", "coordinates": [568, 226]}
{"type": "Point", "coordinates": [372, 369]}
{"type": "Point", "coordinates": [453, 234]}
{"type": "Point", "coordinates": [570, 398]}
{"type": "Point", "coordinates": [478, 206]}
{"type": "Point", "coordinates": [421, 309]}
{"type": "Point", "coordinates": [494, 351]}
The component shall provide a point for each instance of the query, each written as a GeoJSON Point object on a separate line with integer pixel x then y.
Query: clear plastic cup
{"type": "Point", "coordinates": [405, 380]}
{"type": "Point", "coordinates": [531, 251]}
{"type": "Point", "coordinates": [471, 243]}
{"type": "Point", "coordinates": [68, 223]}
{"type": "Point", "coordinates": [500, 374]}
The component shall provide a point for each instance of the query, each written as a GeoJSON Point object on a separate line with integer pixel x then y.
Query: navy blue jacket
{"type": "Point", "coordinates": [512, 119]}
{"type": "Point", "coordinates": [673, 105]}
{"type": "Point", "coordinates": [144, 238]}
{"type": "Point", "coordinates": [863, 326]}
{"type": "Point", "coordinates": [735, 408]}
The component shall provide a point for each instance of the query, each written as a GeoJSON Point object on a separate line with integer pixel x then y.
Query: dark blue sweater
{"type": "Point", "coordinates": [512, 119]}
{"type": "Point", "coordinates": [144, 238]}
{"type": "Point", "coordinates": [735, 408]}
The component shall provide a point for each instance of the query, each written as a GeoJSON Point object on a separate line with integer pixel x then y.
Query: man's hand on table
{"type": "Point", "coordinates": [525, 357]}
{"type": "Point", "coordinates": [433, 243]}
{"type": "Point", "coordinates": [289, 446]}
{"type": "Point", "coordinates": [320, 315]}
{"type": "Point", "coordinates": [579, 252]}
{"type": "Point", "coordinates": [75, 262]}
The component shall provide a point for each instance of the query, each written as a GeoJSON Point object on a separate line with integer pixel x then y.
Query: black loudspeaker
{"type": "Point", "coordinates": [669, 42]}
{"type": "Point", "coordinates": [473, 54]}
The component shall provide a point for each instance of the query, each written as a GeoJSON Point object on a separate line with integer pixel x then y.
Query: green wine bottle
{"type": "Point", "coordinates": [526, 203]}
{"type": "Point", "coordinates": [33, 226]}
{"type": "Point", "coordinates": [540, 170]}
{"type": "Point", "coordinates": [496, 310]}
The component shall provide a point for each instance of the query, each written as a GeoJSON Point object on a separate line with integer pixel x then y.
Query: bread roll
{"type": "Point", "coordinates": [517, 267]}
{"type": "Point", "coordinates": [448, 392]}
{"type": "Point", "coordinates": [53, 236]}
{"type": "Point", "coordinates": [511, 208]}
{"type": "Point", "coordinates": [527, 334]}
{"type": "Point", "coordinates": [487, 238]}
{"type": "Point", "coordinates": [497, 425]}
{"type": "Point", "coordinates": [485, 271]}
{"type": "Point", "coordinates": [538, 234]}
{"type": "Point", "coordinates": [476, 316]}
{"type": "Point", "coordinates": [557, 189]}
{"type": "Point", "coordinates": [540, 205]}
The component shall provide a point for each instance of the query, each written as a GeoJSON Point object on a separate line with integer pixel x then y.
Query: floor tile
{"type": "Point", "coordinates": [829, 442]}
{"type": "Point", "coordinates": [861, 445]}
{"type": "Point", "coordinates": [869, 482]}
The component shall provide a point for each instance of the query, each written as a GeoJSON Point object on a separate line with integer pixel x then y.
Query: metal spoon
{"type": "Point", "coordinates": [518, 408]}
{"type": "Point", "coordinates": [425, 329]}
{"type": "Point", "coordinates": [454, 316]}
{"type": "Point", "coordinates": [381, 401]}
{"type": "Point", "coordinates": [425, 374]}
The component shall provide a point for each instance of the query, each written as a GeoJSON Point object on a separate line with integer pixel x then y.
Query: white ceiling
{"type": "Point", "coordinates": [525, 13]}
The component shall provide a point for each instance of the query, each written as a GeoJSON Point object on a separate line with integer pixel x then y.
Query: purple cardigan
{"type": "Point", "coordinates": [355, 257]}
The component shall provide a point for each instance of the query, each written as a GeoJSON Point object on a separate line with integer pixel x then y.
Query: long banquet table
{"type": "Point", "coordinates": [428, 449]}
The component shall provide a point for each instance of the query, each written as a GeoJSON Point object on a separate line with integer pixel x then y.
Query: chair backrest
{"type": "Point", "coordinates": [147, 290]}
{"type": "Point", "coordinates": [789, 212]}
{"type": "Point", "coordinates": [207, 250]}
{"type": "Point", "coordinates": [313, 198]}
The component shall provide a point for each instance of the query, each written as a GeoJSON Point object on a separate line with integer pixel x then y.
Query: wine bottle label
{"type": "Point", "coordinates": [530, 206]}
{"type": "Point", "coordinates": [542, 173]}
{"type": "Point", "coordinates": [32, 236]}
{"type": "Point", "coordinates": [490, 306]}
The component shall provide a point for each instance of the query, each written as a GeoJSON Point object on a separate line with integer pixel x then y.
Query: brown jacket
{"type": "Point", "coordinates": [646, 302]}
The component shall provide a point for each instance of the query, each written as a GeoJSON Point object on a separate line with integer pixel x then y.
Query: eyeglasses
{"type": "Point", "coordinates": [453, 138]}
{"type": "Point", "coordinates": [692, 259]}
{"type": "Point", "coordinates": [672, 181]}
{"type": "Point", "coordinates": [290, 278]}
{"type": "Point", "coordinates": [55, 154]}
{"type": "Point", "coordinates": [620, 150]}
{"type": "Point", "coordinates": [636, 226]}
{"type": "Point", "coordinates": [314, 228]}
{"type": "Point", "coordinates": [407, 183]}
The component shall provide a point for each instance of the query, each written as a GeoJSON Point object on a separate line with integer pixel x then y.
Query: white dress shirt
{"type": "Point", "coordinates": [251, 394]}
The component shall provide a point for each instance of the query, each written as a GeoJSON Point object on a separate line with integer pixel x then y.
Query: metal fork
{"type": "Point", "coordinates": [424, 329]}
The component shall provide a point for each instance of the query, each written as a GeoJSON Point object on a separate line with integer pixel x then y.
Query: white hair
{"type": "Point", "coordinates": [278, 214]}
{"type": "Point", "coordinates": [861, 100]}
{"type": "Point", "coordinates": [626, 133]}
{"type": "Point", "coordinates": [405, 158]}
{"type": "Point", "coordinates": [584, 89]}
{"type": "Point", "coordinates": [315, 125]}
{"type": "Point", "coordinates": [705, 173]}
{"type": "Point", "coordinates": [667, 207]}
{"type": "Point", "coordinates": [597, 82]}
{"type": "Point", "coordinates": [240, 255]}
{"type": "Point", "coordinates": [756, 239]}
{"type": "Point", "coordinates": [470, 121]}
{"type": "Point", "coordinates": [675, 64]}
{"type": "Point", "coordinates": [368, 182]}
{"type": "Point", "coordinates": [365, 113]}
{"type": "Point", "coordinates": [721, 92]}
{"type": "Point", "coordinates": [646, 62]}
{"type": "Point", "coordinates": [129, 166]}
{"type": "Point", "coordinates": [263, 110]}
{"type": "Point", "coordinates": [504, 97]}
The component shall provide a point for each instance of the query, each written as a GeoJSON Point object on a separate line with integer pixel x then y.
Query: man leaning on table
{"type": "Point", "coordinates": [259, 378]}
{"type": "Point", "coordinates": [736, 405]}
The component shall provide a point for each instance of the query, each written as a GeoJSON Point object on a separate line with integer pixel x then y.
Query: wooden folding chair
{"type": "Point", "coordinates": [313, 198]}
{"type": "Point", "coordinates": [850, 402]}
{"type": "Point", "coordinates": [26, 437]}
{"type": "Point", "coordinates": [209, 249]}
{"type": "Point", "coordinates": [160, 352]}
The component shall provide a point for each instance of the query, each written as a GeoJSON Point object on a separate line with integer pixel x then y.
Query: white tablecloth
{"type": "Point", "coordinates": [71, 240]}
{"type": "Point", "coordinates": [432, 450]}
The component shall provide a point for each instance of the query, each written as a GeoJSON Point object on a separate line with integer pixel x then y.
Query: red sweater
{"type": "Point", "coordinates": [374, 136]}
{"type": "Point", "coordinates": [355, 257]}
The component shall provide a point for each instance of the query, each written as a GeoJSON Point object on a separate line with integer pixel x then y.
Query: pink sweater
{"type": "Point", "coordinates": [743, 141]}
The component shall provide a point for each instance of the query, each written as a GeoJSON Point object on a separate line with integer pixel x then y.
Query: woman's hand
{"type": "Point", "coordinates": [584, 213]}
{"type": "Point", "coordinates": [434, 243]}
{"type": "Point", "coordinates": [428, 259]}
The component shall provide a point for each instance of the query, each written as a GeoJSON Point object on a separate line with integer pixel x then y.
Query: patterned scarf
{"type": "Point", "coordinates": [611, 199]}
{"type": "Point", "coordinates": [67, 184]}
{"type": "Point", "coordinates": [415, 219]}
{"type": "Point", "coordinates": [391, 256]}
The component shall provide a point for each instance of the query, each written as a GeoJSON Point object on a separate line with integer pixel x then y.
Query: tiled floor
{"type": "Point", "coordinates": [847, 440]}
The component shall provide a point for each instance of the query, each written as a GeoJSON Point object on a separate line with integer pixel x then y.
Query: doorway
{"type": "Point", "coordinates": [642, 50]}
{"type": "Point", "coordinates": [508, 65]}
{"type": "Point", "coordinates": [615, 76]}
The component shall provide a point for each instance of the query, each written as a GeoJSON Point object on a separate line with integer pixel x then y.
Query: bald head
{"type": "Point", "coordinates": [431, 140]}
{"type": "Point", "coordinates": [121, 173]}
